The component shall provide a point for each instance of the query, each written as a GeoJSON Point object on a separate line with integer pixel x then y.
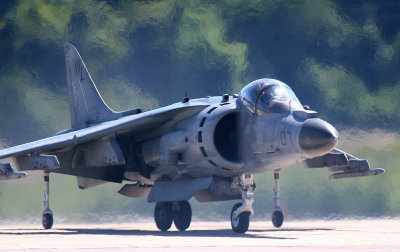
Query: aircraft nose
{"type": "Point", "coordinates": [317, 137]}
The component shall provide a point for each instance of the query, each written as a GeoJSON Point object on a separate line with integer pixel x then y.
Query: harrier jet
{"type": "Point", "coordinates": [209, 148]}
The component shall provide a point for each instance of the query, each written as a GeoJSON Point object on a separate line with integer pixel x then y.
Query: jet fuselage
{"type": "Point", "coordinates": [227, 138]}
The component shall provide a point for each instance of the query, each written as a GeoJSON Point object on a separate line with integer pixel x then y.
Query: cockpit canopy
{"type": "Point", "coordinates": [269, 96]}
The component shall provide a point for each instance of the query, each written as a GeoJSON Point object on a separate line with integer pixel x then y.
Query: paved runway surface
{"type": "Point", "coordinates": [351, 235]}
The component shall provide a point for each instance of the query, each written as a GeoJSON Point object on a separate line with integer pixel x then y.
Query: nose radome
{"type": "Point", "coordinates": [317, 137]}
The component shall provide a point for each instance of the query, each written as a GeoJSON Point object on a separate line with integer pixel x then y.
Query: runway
{"type": "Point", "coordinates": [343, 235]}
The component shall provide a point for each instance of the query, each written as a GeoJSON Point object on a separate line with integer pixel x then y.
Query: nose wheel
{"type": "Point", "coordinates": [277, 215]}
{"type": "Point", "coordinates": [178, 212]}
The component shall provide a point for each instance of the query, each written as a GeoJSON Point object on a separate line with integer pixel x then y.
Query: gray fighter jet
{"type": "Point", "coordinates": [209, 148]}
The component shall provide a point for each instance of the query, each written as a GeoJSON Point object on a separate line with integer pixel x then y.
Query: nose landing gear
{"type": "Point", "coordinates": [241, 212]}
{"type": "Point", "coordinates": [277, 215]}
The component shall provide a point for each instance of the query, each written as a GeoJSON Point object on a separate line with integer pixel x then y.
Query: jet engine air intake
{"type": "Point", "coordinates": [226, 137]}
{"type": "Point", "coordinates": [217, 138]}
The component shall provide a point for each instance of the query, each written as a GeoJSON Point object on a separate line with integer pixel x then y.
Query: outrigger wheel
{"type": "Point", "coordinates": [47, 219]}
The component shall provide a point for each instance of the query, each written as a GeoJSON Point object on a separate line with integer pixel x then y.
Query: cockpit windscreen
{"type": "Point", "coordinates": [276, 99]}
{"type": "Point", "coordinates": [269, 96]}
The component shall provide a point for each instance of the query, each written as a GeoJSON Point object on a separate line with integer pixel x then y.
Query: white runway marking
{"type": "Point", "coordinates": [351, 235]}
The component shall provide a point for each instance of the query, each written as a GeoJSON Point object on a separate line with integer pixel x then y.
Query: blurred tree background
{"type": "Point", "coordinates": [340, 57]}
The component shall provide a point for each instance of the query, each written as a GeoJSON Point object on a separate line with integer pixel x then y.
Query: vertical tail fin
{"type": "Point", "coordinates": [86, 104]}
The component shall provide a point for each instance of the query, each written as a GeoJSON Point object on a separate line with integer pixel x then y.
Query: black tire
{"type": "Point", "coordinates": [277, 218]}
{"type": "Point", "coordinates": [163, 215]}
{"type": "Point", "coordinates": [241, 224]}
{"type": "Point", "coordinates": [47, 220]}
{"type": "Point", "coordinates": [182, 215]}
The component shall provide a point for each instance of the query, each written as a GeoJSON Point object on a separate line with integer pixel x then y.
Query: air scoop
{"type": "Point", "coordinates": [317, 137]}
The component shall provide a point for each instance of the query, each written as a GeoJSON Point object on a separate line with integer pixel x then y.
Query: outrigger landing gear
{"type": "Point", "coordinates": [241, 212]}
{"type": "Point", "coordinates": [277, 215]}
{"type": "Point", "coordinates": [178, 212]}
{"type": "Point", "coordinates": [47, 219]}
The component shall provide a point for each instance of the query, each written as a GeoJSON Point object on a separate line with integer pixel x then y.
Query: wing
{"type": "Point", "coordinates": [133, 123]}
{"type": "Point", "coordinates": [343, 164]}
{"type": "Point", "coordinates": [91, 120]}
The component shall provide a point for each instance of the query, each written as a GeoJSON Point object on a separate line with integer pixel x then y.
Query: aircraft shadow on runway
{"type": "Point", "coordinates": [136, 232]}
{"type": "Point", "coordinates": [293, 229]}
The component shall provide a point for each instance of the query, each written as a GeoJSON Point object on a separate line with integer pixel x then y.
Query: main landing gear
{"type": "Point", "coordinates": [47, 219]}
{"type": "Point", "coordinates": [178, 212]}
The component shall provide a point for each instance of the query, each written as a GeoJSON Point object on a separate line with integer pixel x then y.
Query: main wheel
{"type": "Point", "coordinates": [182, 215]}
{"type": "Point", "coordinates": [163, 215]}
{"type": "Point", "coordinates": [241, 223]}
{"type": "Point", "coordinates": [277, 218]}
{"type": "Point", "coordinates": [47, 220]}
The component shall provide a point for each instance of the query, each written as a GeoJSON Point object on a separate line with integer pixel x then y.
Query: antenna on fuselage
{"type": "Point", "coordinates": [186, 99]}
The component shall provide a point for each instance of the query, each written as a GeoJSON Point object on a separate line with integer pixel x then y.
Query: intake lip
{"type": "Point", "coordinates": [317, 137]}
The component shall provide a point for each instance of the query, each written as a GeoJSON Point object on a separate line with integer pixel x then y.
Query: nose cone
{"type": "Point", "coordinates": [317, 137]}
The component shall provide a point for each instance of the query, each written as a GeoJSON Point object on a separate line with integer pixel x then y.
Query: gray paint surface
{"type": "Point", "coordinates": [189, 146]}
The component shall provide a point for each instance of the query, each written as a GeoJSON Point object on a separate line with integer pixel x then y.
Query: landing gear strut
{"type": "Point", "coordinates": [178, 212]}
{"type": "Point", "coordinates": [277, 215]}
{"type": "Point", "coordinates": [241, 212]}
{"type": "Point", "coordinates": [47, 219]}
